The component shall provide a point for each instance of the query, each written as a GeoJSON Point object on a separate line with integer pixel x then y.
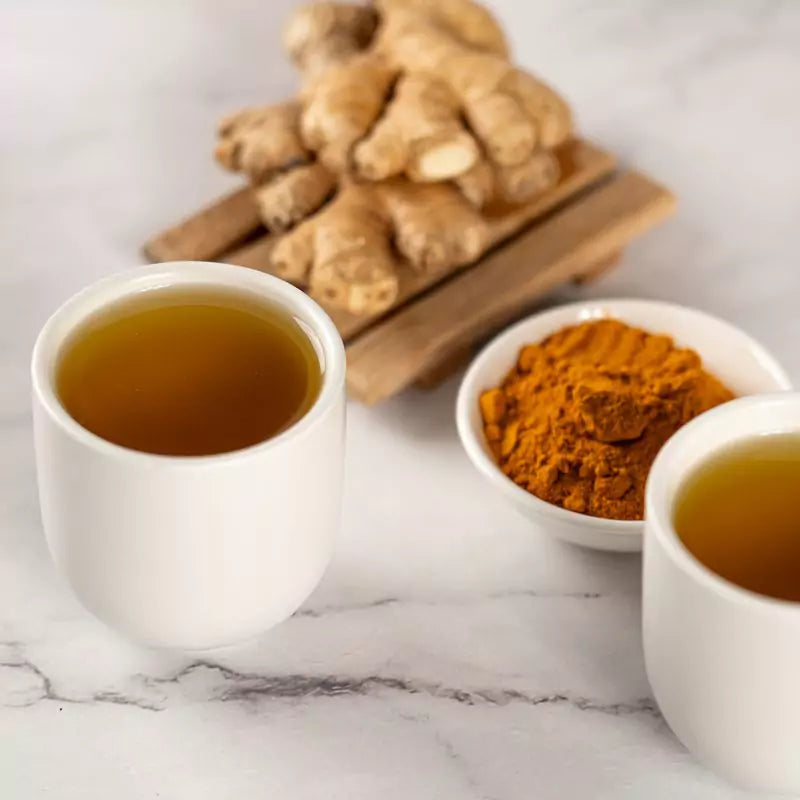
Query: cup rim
{"type": "Point", "coordinates": [659, 503]}
{"type": "Point", "coordinates": [100, 294]}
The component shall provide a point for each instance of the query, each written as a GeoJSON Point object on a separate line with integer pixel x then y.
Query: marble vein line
{"type": "Point", "coordinates": [225, 684]}
{"type": "Point", "coordinates": [392, 601]}
{"type": "Point", "coordinates": [463, 766]}
{"type": "Point", "coordinates": [45, 691]}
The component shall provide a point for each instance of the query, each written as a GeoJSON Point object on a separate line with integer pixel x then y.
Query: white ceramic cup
{"type": "Point", "coordinates": [723, 662]}
{"type": "Point", "coordinates": [201, 551]}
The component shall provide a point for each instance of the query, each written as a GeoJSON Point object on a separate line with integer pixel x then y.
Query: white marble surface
{"type": "Point", "coordinates": [449, 653]}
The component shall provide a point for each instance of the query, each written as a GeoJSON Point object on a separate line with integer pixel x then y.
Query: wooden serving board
{"type": "Point", "coordinates": [574, 232]}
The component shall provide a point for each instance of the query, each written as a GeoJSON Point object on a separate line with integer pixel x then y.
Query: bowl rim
{"type": "Point", "coordinates": [595, 308]}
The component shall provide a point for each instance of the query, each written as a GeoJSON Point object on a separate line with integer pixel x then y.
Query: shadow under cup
{"type": "Point", "coordinates": [191, 551]}
{"type": "Point", "coordinates": [723, 662]}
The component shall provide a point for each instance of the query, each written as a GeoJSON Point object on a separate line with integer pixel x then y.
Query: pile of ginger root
{"type": "Point", "coordinates": [410, 123]}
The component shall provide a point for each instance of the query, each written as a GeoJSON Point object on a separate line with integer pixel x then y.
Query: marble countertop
{"type": "Point", "coordinates": [449, 652]}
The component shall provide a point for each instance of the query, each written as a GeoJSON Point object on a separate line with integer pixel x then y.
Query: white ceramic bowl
{"type": "Point", "coordinates": [727, 352]}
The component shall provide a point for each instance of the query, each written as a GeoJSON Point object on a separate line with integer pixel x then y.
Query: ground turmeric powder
{"type": "Point", "coordinates": [582, 415]}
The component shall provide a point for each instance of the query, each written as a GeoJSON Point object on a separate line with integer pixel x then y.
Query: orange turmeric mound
{"type": "Point", "coordinates": [581, 417]}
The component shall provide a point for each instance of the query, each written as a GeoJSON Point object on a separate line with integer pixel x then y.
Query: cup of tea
{"type": "Point", "coordinates": [189, 434]}
{"type": "Point", "coordinates": [721, 591]}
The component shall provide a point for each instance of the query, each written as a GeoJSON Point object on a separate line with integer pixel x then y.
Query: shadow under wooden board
{"type": "Point", "coordinates": [574, 232]}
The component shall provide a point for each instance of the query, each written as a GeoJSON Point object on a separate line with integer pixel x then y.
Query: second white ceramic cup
{"type": "Point", "coordinates": [191, 552]}
{"type": "Point", "coordinates": [723, 662]}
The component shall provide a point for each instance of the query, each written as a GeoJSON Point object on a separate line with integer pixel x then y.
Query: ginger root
{"type": "Point", "coordinates": [421, 134]}
{"type": "Point", "coordinates": [259, 142]}
{"type": "Point", "coordinates": [340, 106]}
{"type": "Point", "coordinates": [434, 227]}
{"type": "Point", "coordinates": [410, 121]}
{"type": "Point", "coordinates": [450, 63]}
{"type": "Point", "coordinates": [274, 146]}
{"type": "Point", "coordinates": [293, 195]}
{"type": "Point", "coordinates": [509, 111]}
{"type": "Point", "coordinates": [345, 253]}
{"type": "Point", "coordinates": [402, 87]}
{"type": "Point", "coordinates": [265, 144]}
{"type": "Point", "coordinates": [488, 183]}
{"type": "Point", "coordinates": [319, 35]}
{"type": "Point", "coordinates": [471, 23]}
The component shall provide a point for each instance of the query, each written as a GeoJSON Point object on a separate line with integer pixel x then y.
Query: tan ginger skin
{"type": "Point", "coordinates": [344, 254]}
{"type": "Point", "coordinates": [458, 57]}
{"type": "Point", "coordinates": [415, 106]}
{"type": "Point", "coordinates": [581, 417]}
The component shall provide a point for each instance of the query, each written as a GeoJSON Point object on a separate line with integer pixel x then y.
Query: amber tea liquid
{"type": "Point", "coordinates": [188, 372]}
{"type": "Point", "coordinates": [739, 514]}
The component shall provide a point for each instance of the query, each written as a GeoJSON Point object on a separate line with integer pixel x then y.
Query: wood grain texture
{"type": "Point", "coordinates": [599, 269]}
{"type": "Point", "coordinates": [255, 254]}
{"type": "Point", "coordinates": [441, 370]}
{"type": "Point", "coordinates": [392, 355]}
{"type": "Point", "coordinates": [210, 233]}
{"type": "Point", "coordinates": [454, 361]}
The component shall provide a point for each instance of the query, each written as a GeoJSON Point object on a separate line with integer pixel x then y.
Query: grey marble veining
{"type": "Point", "coordinates": [223, 684]}
{"type": "Point", "coordinates": [448, 653]}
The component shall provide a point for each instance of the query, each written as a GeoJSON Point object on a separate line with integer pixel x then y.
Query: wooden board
{"type": "Point", "coordinates": [575, 232]}
{"type": "Point", "coordinates": [210, 232]}
{"type": "Point", "coordinates": [456, 358]}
